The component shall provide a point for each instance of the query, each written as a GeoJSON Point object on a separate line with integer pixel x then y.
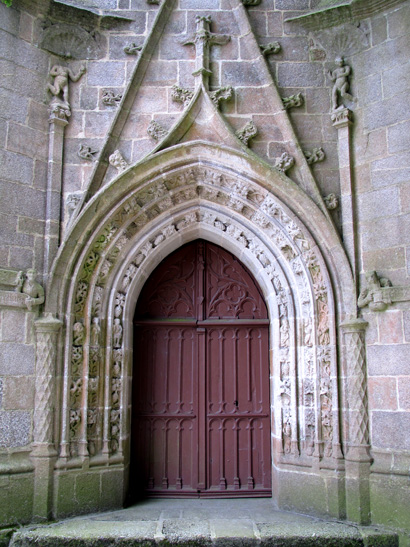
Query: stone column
{"type": "Point", "coordinates": [342, 120]}
{"type": "Point", "coordinates": [44, 453]}
{"type": "Point", "coordinates": [356, 421]}
{"type": "Point", "coordinates": [58, 119]}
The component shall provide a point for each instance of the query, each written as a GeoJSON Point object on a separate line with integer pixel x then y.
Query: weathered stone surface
{"type": "Point", "coordinates": [388, 360]}
{"type": "Point", "coordinates": [15, 428]}
{"type": "Point", "coordinates": [16, 359]}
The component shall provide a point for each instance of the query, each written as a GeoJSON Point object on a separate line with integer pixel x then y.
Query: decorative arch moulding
{"type": "Point", "coordinates": [137, 220]}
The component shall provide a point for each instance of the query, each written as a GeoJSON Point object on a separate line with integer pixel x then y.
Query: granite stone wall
{"type": "Point", "coordinates": [376, 47]}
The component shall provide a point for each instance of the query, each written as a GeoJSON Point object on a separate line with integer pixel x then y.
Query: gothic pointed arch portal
{"type": "Point", "coordinates": [185, 193]}
{"type": "Point", "coordinates": [200, 406]}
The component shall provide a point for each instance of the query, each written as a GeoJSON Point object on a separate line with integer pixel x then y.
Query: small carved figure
{"type": "Point", "coordinates": [117, 161]}
{"type": "Point", "coordinates": [181, 95]}
{"type": "Point", "coordinates": [287, 434]}
{"type": "Point", "coordinates": [109, 98]}
{"type": "Point", "coordinates": [132, 49]}
{"type": "Point", "coordinates": [78, 333]}
{"type": "Point", "coordinates": [293, 101]}
{"type": "Point", "coordinates": [284, 333]}
{"type": "Point", "coordinates": [72, 201]}
{"type": "Point", "coordinates": [314, 156]}
{"type": "Point", "coordinates": [95, 332]}
{"type": "Point", "coordinates": [247, 133]}
{"type": "Point", "coordinates": [156, 131]}
{"type": "Point", "coordinates": [331, 201]}
{"type": "Point", "coordinates": [62, 75]}
{"type": "Point", "coordinates": [221, 94]}
{"type": "Point", "coordinates": [372, 295]}
{"type": "Point", "coordinates": [271, 48]}
{"type": "Point", "coordinates": [117, 332]}
{"type": "Point", "coordinates": [28, 285]}
{"type": "Point", "coordinates": [285, 162]}
{"type": "Point", "coordinates": [308, 327]}
{"type": "Point", "coordinates": [340, 77]}
{"type": "Point", "coordinates": [86, 152]}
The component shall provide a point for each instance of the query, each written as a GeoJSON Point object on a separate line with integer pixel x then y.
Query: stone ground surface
{"type": "Point", "coordinates": [224, 523]}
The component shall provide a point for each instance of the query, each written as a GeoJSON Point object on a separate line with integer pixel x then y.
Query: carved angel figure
{"type": "Point", "coordinates": [340, 76]}
{"type": "Point", "coordinates": [28, 285]}
{"type": "Point", "coordinates": [62, 75]}
{"type": "Point", "coordinates": [372, 295]}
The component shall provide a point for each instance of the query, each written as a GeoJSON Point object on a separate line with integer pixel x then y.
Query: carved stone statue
{"type": "Point", "coordinates": [78, 334]}
{"type": "Point", "coordinates": [340, 77]}
{"type": "Point", "coordinates": [372, 295]}
{"type": "Point", "coordinates": [95, 332]}
{"type": "Point", "coordinates": [62, 75]}
{"type": "Point", "coordinates": [117, 332]}
{"type": "Point", "coordinates": [28, 285]}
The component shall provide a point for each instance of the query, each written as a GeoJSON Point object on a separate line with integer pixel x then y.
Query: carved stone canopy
{"type": "Point", "coordinates": [71, 42]}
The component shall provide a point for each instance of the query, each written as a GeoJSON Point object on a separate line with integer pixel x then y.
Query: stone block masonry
{"type": "Point", "coordinates": [103, 118]}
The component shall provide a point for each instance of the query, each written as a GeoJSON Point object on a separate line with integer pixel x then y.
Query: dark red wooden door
{"type": "Point", "coordinates": [200, 424]}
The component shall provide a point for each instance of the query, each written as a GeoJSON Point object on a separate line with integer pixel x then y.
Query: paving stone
{"type": "Point", "coordinates": [232, 528]}
{"type": "Point", "coordinates": [185, 529]}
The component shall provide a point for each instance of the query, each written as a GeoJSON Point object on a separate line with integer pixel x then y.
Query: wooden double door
{"type": "Point", "coordinates": [200, 419]}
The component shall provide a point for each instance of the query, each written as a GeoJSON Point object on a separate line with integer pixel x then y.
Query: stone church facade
{"type": "Point", "coordinates": [278, 130]}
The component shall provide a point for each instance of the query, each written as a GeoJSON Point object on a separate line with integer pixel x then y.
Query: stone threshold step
{"type": "Point", "coordinates": [212, 533]}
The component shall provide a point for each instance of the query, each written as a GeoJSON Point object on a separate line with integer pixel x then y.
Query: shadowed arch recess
{"type": "Point", "coordinates": [201, 423]}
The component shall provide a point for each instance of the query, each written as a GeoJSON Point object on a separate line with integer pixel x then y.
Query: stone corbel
{"type": "Point", "coordinates": [20, 290]}
{"type": "Point", "coordinates": [379, 293]}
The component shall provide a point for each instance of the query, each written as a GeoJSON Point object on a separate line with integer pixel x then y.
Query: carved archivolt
{"type": "Point", "coordinates": [156, 217]}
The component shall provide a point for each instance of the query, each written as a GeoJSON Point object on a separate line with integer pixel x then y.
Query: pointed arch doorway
{"type": "Point", "coordinates": [200, 404]}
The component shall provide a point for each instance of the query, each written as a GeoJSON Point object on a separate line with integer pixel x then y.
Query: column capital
{"type": "Point", "coordinates": [47, 323]}
{"type": "Point", "coordinates": [354, 325]}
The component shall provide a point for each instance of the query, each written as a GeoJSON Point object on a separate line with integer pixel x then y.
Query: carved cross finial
{"type": "Point", "coordinates": [203, 39]}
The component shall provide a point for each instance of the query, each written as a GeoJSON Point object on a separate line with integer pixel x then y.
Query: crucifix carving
{"type": "Point", "coordinates": [203, 39]}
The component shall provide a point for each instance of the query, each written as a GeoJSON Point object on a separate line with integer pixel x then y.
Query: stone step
{"type": "Point", "coordinates": [220, 523]}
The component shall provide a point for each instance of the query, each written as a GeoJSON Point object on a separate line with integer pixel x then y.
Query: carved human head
{"type": "Point", "coordinates": [339, 61]}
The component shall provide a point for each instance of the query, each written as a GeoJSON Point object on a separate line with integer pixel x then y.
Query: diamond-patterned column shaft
{"type": "Point", "coordinates": [46, 352]}
{"type": "Point", "coordinates": [356, 387]}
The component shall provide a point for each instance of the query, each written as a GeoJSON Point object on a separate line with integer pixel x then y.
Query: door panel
{"type": "Point", "coordinates": [164, 404]}
{"type": "Point", "coordinates": [201, 423]}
